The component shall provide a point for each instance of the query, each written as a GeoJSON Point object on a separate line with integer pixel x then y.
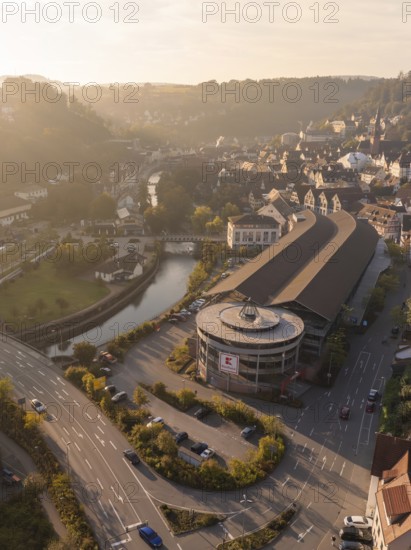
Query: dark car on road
{"type": "Point", "coordinates": [199, 448]}
{"type": "Point", "coordinates": [373, 395]}
{"type": "Point", "coordinates": [353, 545]}
{"type": "Point", "coordinates": [248, 431]}
{"type": "Point", "coordinates": [202, 412]}
{"type": "Point", "coordinates": [131, 456]}
{"type": "Point", "coordinates": [345, 413]}
{"type": "Point", "coordinates": [369, 407]}
{"type": "Point", "coordinates": [111, 389]}
{"type": "Point", "coordinates": [150, 537]}
{"type": "Point", "coordinates": [180, 437]}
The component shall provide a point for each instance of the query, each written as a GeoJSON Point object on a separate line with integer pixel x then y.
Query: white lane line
{"type": "Point", "coordinates": [305, 444]}
{"type": "Point", "coordinates": [102, 508]}
{"type": "Point", "coordinates": [296, 464]}
{"type": "Point", "coordinates": [311, 433]}
{"type": "Point", "coordinates": [78, 448]}
{"type": "Point", "coordinates": [282, 485]}
{"type": "Point", "coordinates": [77, 404]}
{"type": "Point", "coordinates": [98, 427]}
{"type": "Point", "coordinates": [342, 469]}
{"type": "Point", "coordinates": [32, 393]}
{"type": "Point", "coordinates": [102, 421]}
{"type": "Point", "coordinates": [88, 463]}
{"type": "Point", "coordinates": [41, 372]}
{"type": "Point", "coordinates": [64, 391]}
{"type": "Point", "coordinates": [7, 351]}
{"type": "Point", "coordinates": [52, 381]}
{"type": "Point", "coordinates": [61, 381]}
{"type": "Point", "coordinates": [118, 517]}
{"type": "Point", "coordinates": [309, 505]}
{"type": "Point", "coordinates": [21, 383]}
{"type": "Point", "coordinates": [37, 390]}
{"type": "Point", "coordinates": [30, 365]}
{"type": "Point", "coordinates": [66, 430]}
{"type": "Point", "coordinates": [99, 482]}
{"type": "Point", "coordinates": [8, 374]}
{"type": "Point", "coordinates": [113, 445]}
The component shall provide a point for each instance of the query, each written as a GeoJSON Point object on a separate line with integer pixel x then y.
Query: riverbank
{"type": "Point", "coordinates": [67, 327]}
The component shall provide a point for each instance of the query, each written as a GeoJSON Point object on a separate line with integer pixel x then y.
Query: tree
{"type": "Point", "coordinates": [398, 315]}
{"type": "Point", "coordinates": [229, 210]}
{"type": "Point", "coordinates": [201, 216]}
{"type": "Point", "coordinates": [103, 207]}
{"type": "Point", "coordinates": [156, 218]}
{"type": "Point", "coordinates": [388, 282]}
{"type": "Point", "coordinates": [166, 444]}
{"type": "Point", "coordinates": [143, 197]}
{"type": "Point", "coordinates": [84, 352]}
{"type": "Point", "coordinates": [140, 397]}
{"type": "Point", "coordinates": [6, 389]}
{"type": "Point", "coordinates": [215, 226]}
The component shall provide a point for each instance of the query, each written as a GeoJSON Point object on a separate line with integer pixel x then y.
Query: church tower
{"type": "Point", "coordinates": [376, 135]}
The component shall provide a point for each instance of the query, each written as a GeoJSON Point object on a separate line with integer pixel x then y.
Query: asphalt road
{"type": "Point", "coordinates": [326, 467]}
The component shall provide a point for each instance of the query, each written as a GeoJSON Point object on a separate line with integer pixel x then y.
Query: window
{"type": "Point", "coordinates": [258, 236]}
{"type": "Point", "coordinates": [265, 237]}
{"type": "Point", "coordinates": [237, 236]}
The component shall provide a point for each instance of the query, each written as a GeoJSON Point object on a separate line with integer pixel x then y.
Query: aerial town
{"type": "Point", "coordinates": [205, 276]}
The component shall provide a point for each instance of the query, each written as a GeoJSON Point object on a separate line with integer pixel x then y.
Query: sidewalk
{"type": "Point", "coordinates": [15, 458]}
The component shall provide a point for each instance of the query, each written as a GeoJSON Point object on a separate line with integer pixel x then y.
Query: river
{"type": "Point", "coordinates": [168, 286]}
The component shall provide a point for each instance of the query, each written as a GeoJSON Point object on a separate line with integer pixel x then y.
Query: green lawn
{"type": "Point", "coordinates": [32, 298]}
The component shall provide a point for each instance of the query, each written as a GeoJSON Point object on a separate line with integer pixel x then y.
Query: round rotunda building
{"type": "Point", "coordinates": [243, 347]}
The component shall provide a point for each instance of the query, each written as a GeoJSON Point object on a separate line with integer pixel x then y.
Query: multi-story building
{"type": "Point", "coordinates": [252, 230]}
{"type": "Point", "coordinates": [385, 221]}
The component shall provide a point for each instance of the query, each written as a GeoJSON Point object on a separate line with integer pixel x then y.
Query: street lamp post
{"type": "Point", "coordinates": [244, 501]}
{"type": "Point", "coordinates": [329, 370]}
{"type": "Point", "coordinates": [67, 457]}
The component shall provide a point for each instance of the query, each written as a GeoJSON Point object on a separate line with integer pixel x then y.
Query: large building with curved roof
{"type": "Point", "coordinates": [312, 271]}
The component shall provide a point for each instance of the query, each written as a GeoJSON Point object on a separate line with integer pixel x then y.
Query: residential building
{"type": "Point", "coordinates": [385, 221]}
{"type": "Point", "coordinates": [32, 193]}
{"type": "Point", "coordinates": [124, 268]}
{"type": "Point", "coordinates": [13, 209]}
{"type": "Point", "coordinates": [401, 167]}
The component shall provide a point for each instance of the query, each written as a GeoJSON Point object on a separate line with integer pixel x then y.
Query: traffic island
{"type": "Point", "coordinates": [184, 521]}
{"type": "Point", "coordinates": [263, 536]}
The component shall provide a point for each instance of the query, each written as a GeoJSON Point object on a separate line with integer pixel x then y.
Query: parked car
{"type": "Point", "coordinates": [131, 456]}
{"type": "Point", "coordinates": [150, 537]}
{"type": "Point", "coordinates": [105, 371]}
{"type": "Point", "coordinates": [9, 477]}
{"type": "Point", "coordinates": [131, 248]}
{"type": "Point", "coordinates": [361, 522]}
{"type": "Point", "coordinates": [345, 412]}
{"type": "Point", "coordinates": [224, 275]}
{"type": "Point", "coordinates": [38, 406]}
{"type": "Point", "coordinates": [173, 320]}
{"type": "Point", "coordinates": [353, 533]}
{"type": "Point", "coordinates": [185, 312]}
{"type": "Point", "coordinates": [198, 448]}
{"type": "Point", "coordinates": [202, 412]}
{"type": "Point", "coordinates": [111, 389]}
{"type": "Point", "coordinates": [180, 437]}
{"type": "Point", "coordinates": [248, 431]}
{"type": "Point", "coordinates": [373, 395]}
{"type": "Point", "coordinates": [157, 420]}
{"type": "Point", "coordinates": [179, 317]}
{"type": "Point", "coordinates": [120, 396]}
{"type": "Point", "coordinates": [369, 407]}
{"type": "Point", "coordinates": [353, 545]}
{"type": "Point", "coordinates": [208, 453]}
{"type": "Point", "coordinates": [107, 357]}
{"type": "Point", "coordinates": [395, 331]}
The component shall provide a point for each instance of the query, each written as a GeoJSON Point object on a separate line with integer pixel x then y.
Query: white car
{"type": "Point", "coordinates": [157, 420]}
{"type": "Point", "coordinates": [208, 453]}
{"type": "Point", "coordinates": [38, 406]}
{"type": "Point", "coordinates": [361, 522]}
{"type": "Point", "coordinates": [185, 312]}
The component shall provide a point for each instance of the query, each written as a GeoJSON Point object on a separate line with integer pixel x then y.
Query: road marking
{"type": "Point", "coordinates": [88, 463]}
{"type": "Point", "coordinates": [296, 464]}
{"type": "Point", "coordinates": [29, 364]}
{"type": "Point", "coordinates": [346, 427]}
{"type": "Point", "coordinates": [99, 482]}
{"type": "Point", "coordinates": [38, 391]}
{"type": "Point", "coordinates": [8, 374]}
{"type": "Point", "coordinates": [66, 430]}
{"type": "Point", "coordinates": [311, 433]}
{"type": "Point", "coordinates": [77, 404]}
{"type": "Point", "coordinates": [309, 505]}
{"type": "Point", "coordinates": [88, 416]}
{"type": "Point", "coordinates": [21, 383]}
{"type": "Point", "coordinates": [102, 421]}
{"type": "Point", "coordinates": [61, 381]}
{"type": "Point", "coordinates": [282, 485]}
{"type": "Point", "coordinates": [118, 517]}
{"type": "Point", "coordinates": [32, 393]}
{"type": "Point", "coordinates": [356, 391]}
{"type": "Point", "coordinates": [78, 448]}
{"type": "Point", "coordinates": [76, 432]}
{"type": "Point", "coordinates": [101, 440]}
{"type": "Point", "coordinates": [114, 544]}
{"type": "Point", "coordinates": [302, 535]}
{"type": "Point", "coordinates": [360, 379]}
{"type": "Point", "coordinates": [342, 469]}
{"type": "Point", "coordinates": [101, 506]}
{"type": "Point", "coordinates": [305, 444]}
{"type": "Point", "coordinates": [113, 445]}
{"type": "Point", "coordinates": [42, 373]}
{"type": "Point", "coordinates": [118, 497]}
{"type": "Point", "coordinates": [52, 381]}
{"type": "Point", "coordinates": [182, 549]}
{"type": "Point", "coordinates": [7, 351]}
{"type": "Point", "coordinates": [98, 427]}
{"type": "Point", "coordinates": [324, 461]}
{"type": "Point", "coordinates": [64, 391]}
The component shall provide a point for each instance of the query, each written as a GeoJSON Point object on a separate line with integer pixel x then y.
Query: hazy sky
{"type": "Point", "coordinates": [188, 41]}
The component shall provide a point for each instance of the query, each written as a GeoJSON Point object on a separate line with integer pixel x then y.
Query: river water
{"type": "Point", "coordinates": [167, 287]}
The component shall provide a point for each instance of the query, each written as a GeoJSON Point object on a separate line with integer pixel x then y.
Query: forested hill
{"type": "Point", "coordinates": [393, 97]}
{"type": "Point", "coordinates": [195, 114]}
{"type": "Point", "coordinates": [43, 128]}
